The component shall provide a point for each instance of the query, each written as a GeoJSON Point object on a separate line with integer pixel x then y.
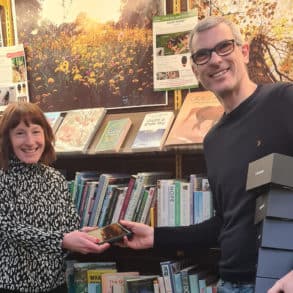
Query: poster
{"type": "Point", "coordinates": [88, 53]}
{"type": "Point", "coordinates": [13, 75]}
{"type": "Point", "coordinates": [172, 68]}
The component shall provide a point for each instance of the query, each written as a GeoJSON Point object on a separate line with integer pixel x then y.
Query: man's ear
{"type": "Point", "coordinates": [245, 52]}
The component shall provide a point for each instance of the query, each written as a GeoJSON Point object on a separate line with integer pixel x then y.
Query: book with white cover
{"type": "Point", "coordinates": [153, 131]}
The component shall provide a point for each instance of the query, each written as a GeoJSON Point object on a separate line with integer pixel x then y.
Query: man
{"type": "Point", "coordinates": [257, 121]}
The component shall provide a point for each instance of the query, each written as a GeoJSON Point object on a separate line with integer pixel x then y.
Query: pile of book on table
{"type": "Point", "coordinates": [271, 179]}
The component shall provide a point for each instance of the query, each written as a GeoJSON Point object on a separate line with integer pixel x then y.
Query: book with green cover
{"type": "Point", "coordinates": [113, 135]}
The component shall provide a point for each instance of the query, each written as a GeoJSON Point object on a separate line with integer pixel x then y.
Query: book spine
{"type": "Point", "coordinates": [171, 208]}
{"type": "Point", "coordinates": [147, 205]}
{"type": "Point", "coordinates": [139, 210]}
{"type": "Point", "coordinates": [127, 197]}
{"type": "Point", "coordinates": [166, 273]}
{"type": "Point", "coordinates": [118, 206]}
{"type": "Point", "coordinates": [103, 182]}
{"type": "Point", "coordinates": [105, 206]}
{"type": "Point", "coordinates": [134, 198]}
{"type": "Point", "coordinates": [177, 203]}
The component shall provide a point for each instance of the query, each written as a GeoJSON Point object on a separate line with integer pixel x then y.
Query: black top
{"type": "Point", "coordinates": [260, 125]}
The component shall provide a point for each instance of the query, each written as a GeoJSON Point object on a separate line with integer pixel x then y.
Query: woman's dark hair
{"type": "Point", "coordinates": [28, 113]}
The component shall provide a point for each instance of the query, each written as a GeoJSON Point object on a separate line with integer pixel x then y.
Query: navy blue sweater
{"type": "Point", "coordinates": [260, 125]}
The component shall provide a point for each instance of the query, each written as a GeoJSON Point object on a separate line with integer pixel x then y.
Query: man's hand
{"type": "Point", "coordinates": [284, 285]}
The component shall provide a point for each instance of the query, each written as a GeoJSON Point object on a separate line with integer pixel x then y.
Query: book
{"type": "Point", "coordinates": [54, 119]}
{"type": "Point", "coordinates": [79, 179]}
{"type": "Point", "coordinates": [104, 180]}
{"type": "Point", "coordinates": [118, 206]}
{"type": "Point", "coordinates": [129, 190]}
{"type": "Point", "coordinates": [111, 233]}
{"type": "Point", "coordinates": [80, 270]}
{"type": "Point", "coordinates": [78, 129]}
{"type": "Point", "coordinates": [184, 273]}
{"type": "Point", "coordinates": [105, 210]}
{"type": "Point", "coordinates": [94, 279]}
{"type": "Point", "coordinates": [92, 188]}
{"type": "Point", "coordinates": [169, 268]}
{"type": "Point", "coordinates": [150, 202]}
{"type": "Point", "coordinates": [113, 135]}
{"type": "Point", "coordinates": [153, 131]}
{"type": "Point", "coordinates": [111, 279]}
{"type": "Point", "coordinates": [69, 275]}
{"type": "Point", "coordinates": [117, 191]}
{"type": "Point", "coordinates": [136, 120]}
{"type": "Point", "coordinates": [140, 284]}
{"type": "Point", "coordinates": [143, 178]}
{"type": "Point", "coordinates": [198, 113]}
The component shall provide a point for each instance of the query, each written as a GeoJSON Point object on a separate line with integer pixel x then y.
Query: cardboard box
{"type": "Point", "coordinates": [275, 233]}
{"type": "Point", "coordinates": [274, 263]}
{"type": "Point", "coordinates": [276, 203]}
{"type": "Point", "coordinates": [276, 169]}
{"type": "Point", "coordinates": [262, 285]}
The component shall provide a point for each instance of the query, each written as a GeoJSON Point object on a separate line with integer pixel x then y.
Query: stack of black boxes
{"type": "Point", "coordinates": [271, 180]}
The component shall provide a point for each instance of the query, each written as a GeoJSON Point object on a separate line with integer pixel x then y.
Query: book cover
{"type": "Point", "coordinates": [77, 129]}
{"type": "Point", "coordinates": [113, 135]}
{"type": "Point", "coordinates": [169, 268]}
{"type": "Point", "coordinates": [198, 113]}
{"type": "Point", "coordinates": [153, 131]}
{"type": "Point", "coordinates": [80, 270]}
{"type": "Point", "coordinates": [111, 279]}
{"type": "Point", "coordinates": [94, 279]}
{"type": "Point", "coordinates": [136, 120]}
{"type": "Point", "coordinates": [143, 284]}
{"type": "Point", "coordinates": [185, 272]}
{"type": "Point", "coordinates": [54, 119]}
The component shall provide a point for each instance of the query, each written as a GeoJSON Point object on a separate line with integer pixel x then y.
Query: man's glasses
{"type": "Point", "coordinates": [223, 48]}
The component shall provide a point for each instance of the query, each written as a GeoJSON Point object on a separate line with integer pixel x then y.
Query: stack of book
{"type": "Point", "coordinates": [271, 178]}
{"type": "Point", "coordinates": [182, 276]}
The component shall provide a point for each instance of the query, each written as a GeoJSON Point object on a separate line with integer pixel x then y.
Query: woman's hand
{"type": "Point", "coordinates": [80, 241]}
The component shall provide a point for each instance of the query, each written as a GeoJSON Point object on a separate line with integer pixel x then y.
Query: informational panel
{"type": "Point", "coordinates": [172, 68]}
{"type": "Point", "coordinates": [13, 75]}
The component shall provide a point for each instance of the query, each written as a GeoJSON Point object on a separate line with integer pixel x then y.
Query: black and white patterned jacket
{"type": "Point", "coordinates": [35, 211]}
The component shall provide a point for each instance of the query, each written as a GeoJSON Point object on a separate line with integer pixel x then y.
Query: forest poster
{"type": "Point", "coordinates": [88, 53]}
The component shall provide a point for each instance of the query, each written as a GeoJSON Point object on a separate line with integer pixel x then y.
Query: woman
{"type": "Point", "coordinates": [38, 223]}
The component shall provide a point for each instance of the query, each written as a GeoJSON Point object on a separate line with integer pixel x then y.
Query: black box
{"type": "Point", "coordinates": [262, 285]}
{"type": "Point", "coordinates": [275, 233]}
{"type": "Point", "coordinates": [274, 169]}
{"type": "Point", "coordinates": [274, 263]}
{"type": "Point", "coordinates": [276, 203]}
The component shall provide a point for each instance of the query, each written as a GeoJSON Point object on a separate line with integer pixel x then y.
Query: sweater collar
{"type": "Point", "coordinates": [14, 162]}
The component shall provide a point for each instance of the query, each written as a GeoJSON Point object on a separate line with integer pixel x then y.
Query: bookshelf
{"type": "Point", "coordinates": [192, 161]}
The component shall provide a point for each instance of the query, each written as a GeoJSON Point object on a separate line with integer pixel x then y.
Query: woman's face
{"type": "Point", "coordinates": [28, 142]}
